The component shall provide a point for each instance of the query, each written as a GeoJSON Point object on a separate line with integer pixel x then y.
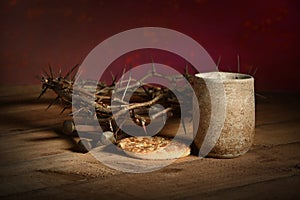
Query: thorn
{"type": "Point", "coordinates": [63, 110]}
{"type": "Point", "coordinates": [74, 76]}
{"type": "Point", "coordinates": [183, 125]}
{"type": "Point", "coordinates": [128, 82]}
{"type": "Point", "coordinates": [255, 71]}
{"type": "Point", "coordinates": [44, 71]}
{"type": "Point", "coordinates": [59, 73]}
{"type": "Point", "coordinates": [153, 66]}
{"type": "Point", "coordinates": [119, 128]}
{"type": "Point", "coordinates": [110, 126]}
{"type": "Point", "coordinates": [113, 78]}
{"type": "Point", "coordinates": [144, 127]}
{"type": "Point", "coordinates": [164, 118]}
{"type": "Point", "coordinates": [42, 93]}
{"type": "Point", "coordinates": [218, 63]}
{"type": "Point", "coordinates": [50, 70]}
{"type": "Point", "coordinates": [238, 63]}
{"type": "Point", "coordinates": [68, 74]}
{"type": "Point", "coordinates": [186, 69]}
{"type": "Point", "coordinates": [122, 77]}
{"type": "Point", "coordinates": [55, 100]}
{"type": "Point", "coordinates": [249, 71]}
{"type": "Point", "coordinates": [76, 112]}
{"type": "Point", "coordinates": [261, 96]}
{"type": "Point", "coordinates": [147, 91]}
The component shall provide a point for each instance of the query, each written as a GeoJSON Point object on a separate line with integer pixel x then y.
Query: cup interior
{"type": "Point", "coordinates": [223, 75]}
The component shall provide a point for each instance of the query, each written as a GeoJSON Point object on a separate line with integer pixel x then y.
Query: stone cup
{"type": "Point", "coordinates": [227, 114]}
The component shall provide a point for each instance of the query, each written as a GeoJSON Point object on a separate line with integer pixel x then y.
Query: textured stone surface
{"type": "Point", "coordinates": [231, 96]}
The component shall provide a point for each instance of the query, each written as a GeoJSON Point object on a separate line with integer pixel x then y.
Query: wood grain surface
{"type": "Point", "coordinates": [39, 162]}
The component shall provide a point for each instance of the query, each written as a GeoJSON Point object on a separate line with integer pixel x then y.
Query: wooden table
{"type": "Point", "coordinates": [39, 162]}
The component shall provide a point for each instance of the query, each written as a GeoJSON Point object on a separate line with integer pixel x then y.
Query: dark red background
{"type": "Point", "coordinates": [264, 34]}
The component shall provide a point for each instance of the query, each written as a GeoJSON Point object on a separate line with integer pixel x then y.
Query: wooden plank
{"type": "Point", "coordinates": [38, 161]}
{"type": "Point", "coordinates": [186, 179]}
{"type": "Point", "coordinates": [22, 147]}
{"type": "Point", "coordinates": [278, 133]}
{"type": "Point", "coordinates": [279, 108]}
{"type": "Point", "coordinates": [280, 188]}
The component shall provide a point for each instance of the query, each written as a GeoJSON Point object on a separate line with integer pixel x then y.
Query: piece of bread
{"type": "Point", "coordinates": [153, 148]}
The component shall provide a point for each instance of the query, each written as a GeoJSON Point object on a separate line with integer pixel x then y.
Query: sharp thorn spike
{"type": "Point", "coordinates": [50, 70]}
{"type": "Point", "coordinates": [110, 126]}
{"type": "Point", "coordinates": [44, 71]}
{"type": "Point", "coordinates": [147, 91]}
{"type": "Point", "coordinates": [144, 126]}
{"type": "Point", "coordinates": [42, 93]}
{"type": "Point", "coordinates": [153, 66]}
{"type": "Point", "coordinates": [63, 110]}
{"type": "Point", "coordinates": [218, 63]}
{"type": "Point", "coordinates": [68, 74]}
{"type": "Point", "coordinates": [117, 75]}
{"type": "Point", "coordinates": [186, 69]}
{"type": "Point", "coordinates": [122, 77]}
{"type": "Point", "coordinates": [74, 76]}
{"type": "Point", "coordinates": [255, 71]}
{"type": "Point", "coordinates": [119, 128]}
{"type": "Point", "coordinates": [249, 71]}
{"type": "Point", "coordinates": [59, 74]}
{"type": "Point", "coordinates": [113, 78]}
{"type": "Point", "coordinates": [52, 102]}
{"type": "Point", "coordinates": [128, 82]}
{"type": "Point", "coordinates": [261, 96]}
{"type": "Point", "coordinates": [112, 75]}
{"type": "Point", "coordinates": [183, 125]}
{"type": "Point", "coordinates": [238, 63]}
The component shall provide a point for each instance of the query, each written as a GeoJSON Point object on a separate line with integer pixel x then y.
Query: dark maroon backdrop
{"type": "Point", "coordinates": [264, 34]}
